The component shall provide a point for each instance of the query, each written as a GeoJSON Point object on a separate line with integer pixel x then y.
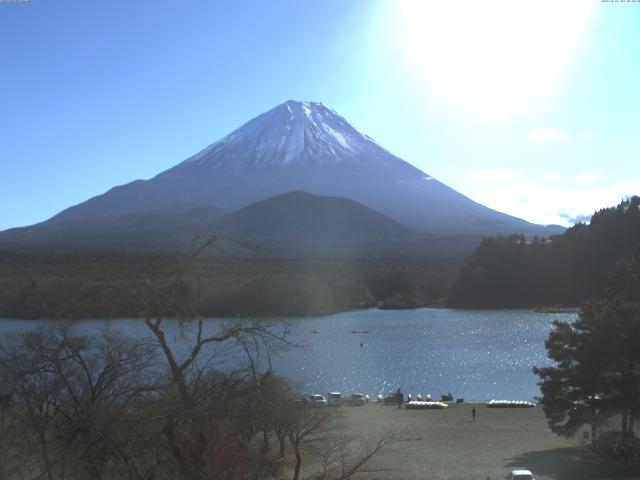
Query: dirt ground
{"type": "Point", "coordinates": [447, 444]}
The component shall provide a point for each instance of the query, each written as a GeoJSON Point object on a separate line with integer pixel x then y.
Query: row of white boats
{"type": "Point", "coordinates": [510, 404]}
{"type": "Point", "coordinates": [419, 403]}
{"type": "Point", "coordinates": [425, 405]}
{"type": "Point", "coordinates": [419, 398]}
{"type": "Point", "coordinates": [429, 405]}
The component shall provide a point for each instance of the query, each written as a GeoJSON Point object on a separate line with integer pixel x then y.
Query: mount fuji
{"type": "Point", "coordinates": [295, 147]}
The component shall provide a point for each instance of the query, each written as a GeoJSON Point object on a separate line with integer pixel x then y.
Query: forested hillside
{"type": "Point", "coordinates": [563, 270]}
{"type": "Point", "coordinates": [90, 286]}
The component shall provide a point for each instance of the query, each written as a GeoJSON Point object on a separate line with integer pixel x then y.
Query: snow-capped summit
{"type": "Point", "coordinates": [293, 132]}
{"type": "Point", "coordinates": [302, 146]}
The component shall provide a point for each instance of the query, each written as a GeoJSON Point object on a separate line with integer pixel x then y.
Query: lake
{"type": "Point", "coordinates": [477, 355]}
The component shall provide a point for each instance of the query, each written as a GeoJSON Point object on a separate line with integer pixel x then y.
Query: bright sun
{"type": "Point", "coordinates": [493, 57]}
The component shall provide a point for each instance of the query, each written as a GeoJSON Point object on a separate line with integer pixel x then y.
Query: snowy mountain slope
{"type": "Point", "coordinates": [303, 146]}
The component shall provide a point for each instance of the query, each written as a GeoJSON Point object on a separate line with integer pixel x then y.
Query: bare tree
{"type": "Point", "coordinates": [332, 454]}
{"type": "Point", "coordinates": [72, 399]}
{"type": "Point", "coordinates": [278, 400]}
{"type": "Point", "coordinates": [35, 393]}
{"type": "Point", "coordinates": [345, 456]}
{"type": "Point", "coordinates": [8, 461]}
{"type": "Point", "coordinates": [238, 352]}
{"type": "Point", "coordinates": [307, 425]}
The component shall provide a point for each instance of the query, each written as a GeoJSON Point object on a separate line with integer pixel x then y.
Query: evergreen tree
{"type": "Point", "coordinates": [597, 371]}
{"type": "Point", "coordinates": [507, 272]}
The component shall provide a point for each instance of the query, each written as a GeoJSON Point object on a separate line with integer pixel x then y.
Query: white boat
{"type": "Point", "coordinates": [415, 405]}
{"type": "Point", "coordinates": [510, 404]}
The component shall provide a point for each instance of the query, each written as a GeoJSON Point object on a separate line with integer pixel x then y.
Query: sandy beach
{"type": "Point", "coordinates": [447, 444]}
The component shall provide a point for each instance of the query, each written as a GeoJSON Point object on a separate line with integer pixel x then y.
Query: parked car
{"type": "Point", "coordinates": [316, 400]}
{"type": "Point", "coordinates": [520, 475]}
{"type": "Point", "coordinates": [357, 400]}
{"type": "Point", "coordinates": [335, 399]}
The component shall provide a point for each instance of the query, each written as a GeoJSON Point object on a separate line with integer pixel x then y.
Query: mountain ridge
{"type": "Point", "coordinates": [302, 146]}
{"type": "Point", "coordinates": [293, 224]}
{"type": "Point", "coordinates": [301, 214]}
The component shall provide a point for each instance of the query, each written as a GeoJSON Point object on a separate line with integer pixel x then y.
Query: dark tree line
{"type": "Point", "coordinates": [78, 286]}
{"type": "Point", "coordinates": [565, 270]}
{"type": "Point", "coordinates": [596, 378]}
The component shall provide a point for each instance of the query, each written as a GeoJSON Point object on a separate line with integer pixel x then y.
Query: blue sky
{"type": "Point", "coordinates": [528, 107]}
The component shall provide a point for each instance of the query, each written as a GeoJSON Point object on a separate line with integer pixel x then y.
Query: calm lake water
{"type": "Point", "coordinates": [478, 355]}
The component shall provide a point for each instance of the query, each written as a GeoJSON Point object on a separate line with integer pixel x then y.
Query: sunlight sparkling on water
{"type": "Point", "coordinates": [472, 354]}
{"type": "Point", "coordinates": [478, 355]}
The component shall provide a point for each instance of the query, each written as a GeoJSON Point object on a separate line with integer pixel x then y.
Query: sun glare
{"type": "Point", "coordinates": [493, 58]}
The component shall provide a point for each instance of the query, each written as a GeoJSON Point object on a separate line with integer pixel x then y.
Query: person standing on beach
{"type": "Point", "coordinates": [473, 413]}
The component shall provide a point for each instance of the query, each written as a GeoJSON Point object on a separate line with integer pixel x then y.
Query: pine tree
{"type": "Point", "coordinates": [597, 371]}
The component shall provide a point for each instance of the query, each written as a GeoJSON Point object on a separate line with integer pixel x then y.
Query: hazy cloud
{"type": "Point", "coordinates": [588, 177]}
{"type": "Point", "coordinates": [539, 135]}
{"type": "Point", "coordinates": [494, 175]}
{"type": "Point", "coordinates": [575, 218]}
{"type": "Point", "coordinates": [554, 202]}
{"type": "Point", "coordinates": [550, 177]}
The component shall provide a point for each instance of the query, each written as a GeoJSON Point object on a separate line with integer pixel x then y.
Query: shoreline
{"type": "Point", "coordinates": [542, 310]}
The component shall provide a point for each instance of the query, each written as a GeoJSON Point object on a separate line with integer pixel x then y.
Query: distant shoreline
{"type": "Point", "coordinates": [548, 310]}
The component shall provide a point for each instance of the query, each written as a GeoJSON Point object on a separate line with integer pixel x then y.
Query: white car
{"type": "Point", "coordinates": [357, 400]}
{"type": "Point", "coordinates": [316, 400]}
{"type": "Point", "coordinates": [335, 399]}
{"type": "Point", "coordinates": [520, 475]}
